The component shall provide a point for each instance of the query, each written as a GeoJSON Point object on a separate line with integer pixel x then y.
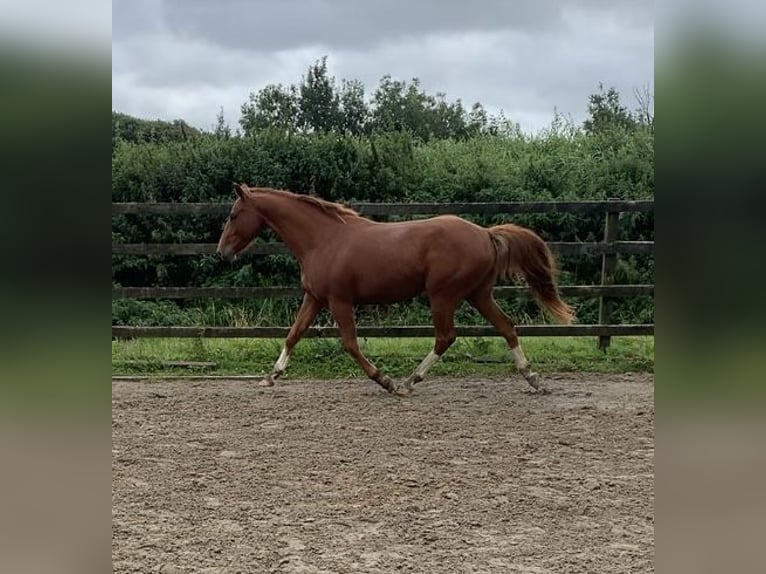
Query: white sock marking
{"type": "Point", "coordinates": [426, 364]}
{"type": "Point", "coordinates": [281, 364]}
{"type": "Point", "coordinates": [519, 358]}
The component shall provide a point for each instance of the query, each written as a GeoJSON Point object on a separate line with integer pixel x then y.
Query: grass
{"type": "Point", "coordinates": [325, 359]}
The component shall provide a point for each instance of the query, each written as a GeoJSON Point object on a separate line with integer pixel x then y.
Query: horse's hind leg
{"type": "Point", "coordinates": [443, 315]}
{"type": "Point", "coordinates": [343, 313]}
{"type": "Point", "coordinates": [306, 314]}
{"type": "Point", "coordinates": [487, 306]}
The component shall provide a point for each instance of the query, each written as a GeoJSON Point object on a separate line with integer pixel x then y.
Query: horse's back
{"type": "Point", "coordinates": [419, 241]}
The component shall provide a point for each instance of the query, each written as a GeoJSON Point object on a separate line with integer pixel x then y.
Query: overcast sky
{"type": "Point", "coordinates": [187, 58]}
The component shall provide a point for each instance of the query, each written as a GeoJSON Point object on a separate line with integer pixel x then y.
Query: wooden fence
{"type": "Point", "coordinates": [609, 249]}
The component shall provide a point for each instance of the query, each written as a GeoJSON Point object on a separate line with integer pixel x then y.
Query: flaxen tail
{"type": "Point", "coordinates": [520, 251]}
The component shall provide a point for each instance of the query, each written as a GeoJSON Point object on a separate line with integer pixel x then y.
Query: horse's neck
{"type": "Point", "coordinates": [300, 226]}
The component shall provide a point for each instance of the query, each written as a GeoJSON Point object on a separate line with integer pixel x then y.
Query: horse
{"type": "Point", "coordinates": [347, 259]}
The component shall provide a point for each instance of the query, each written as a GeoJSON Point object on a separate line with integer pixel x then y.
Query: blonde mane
{"type": "Point", "coordinates": [338, 210]}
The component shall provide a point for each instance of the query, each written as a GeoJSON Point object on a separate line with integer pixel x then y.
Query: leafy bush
{"type": "Point", "coordinates": [611, 157]}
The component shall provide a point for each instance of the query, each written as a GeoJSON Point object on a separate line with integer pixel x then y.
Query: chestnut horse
{"type": "Point", "coordinates": [347, 259]}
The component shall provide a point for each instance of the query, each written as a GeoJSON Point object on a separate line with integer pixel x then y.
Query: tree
{"type": "Point", "coordinates": [398, 106]}
{"type": "Point", "coordinates": [354, 114]}
{"type": "Point", "coordinates": [275, 106]}
{"type": "Point", "coordinates": [644, 113]}
{"type": "Point", "coordinates": [130, 129]}
{"type": "Point", "coordinates": [318, 103]}
{"type": "Point", "coordinates": [478, 119]}
{"type": "Point", "coordinates": [221, 129]}
{"type": "Point", "coordinates": [605, 111]}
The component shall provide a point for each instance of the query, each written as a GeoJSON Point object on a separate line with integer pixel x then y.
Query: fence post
{"type": "Point", "coordinates": [608, 266]}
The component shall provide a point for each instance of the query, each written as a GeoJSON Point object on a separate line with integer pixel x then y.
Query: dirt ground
{"type": "Point", "coordinates": [319, 477]}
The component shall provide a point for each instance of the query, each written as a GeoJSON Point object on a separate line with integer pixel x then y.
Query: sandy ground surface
{"type": "Point", "coordinates": [319, 477]}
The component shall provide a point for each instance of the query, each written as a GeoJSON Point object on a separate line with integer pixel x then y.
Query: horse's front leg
{"type": "Point", "coordinates": [343, 313]}
{"type": "Point", "coordinates": [306, 314]}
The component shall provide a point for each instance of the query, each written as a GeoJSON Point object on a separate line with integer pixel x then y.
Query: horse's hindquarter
{"type": "Point", "coordinates": [461, 257]}
{"type": "Point", "coordinates": [385, 263]}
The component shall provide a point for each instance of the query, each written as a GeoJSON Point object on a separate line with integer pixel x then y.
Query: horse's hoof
{"type": "Point", "coordinates": [267, 382]}
{"type": "Point", "coordinates": [404, 390]}
{"type": "Point", "coordinates": [388, 384]}
{"type": "Point", "coordinates": [536, 382]}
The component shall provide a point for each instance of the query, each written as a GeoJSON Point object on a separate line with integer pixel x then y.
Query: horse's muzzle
{"type": "Point", "coordinates": [225, 254]}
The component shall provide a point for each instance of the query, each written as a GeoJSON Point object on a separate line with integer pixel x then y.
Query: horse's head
{"type": "Point", "coordinates": [242, 226]}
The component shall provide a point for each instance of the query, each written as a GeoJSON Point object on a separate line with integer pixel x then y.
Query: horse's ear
{"type": "Point", "coordinates": [240, 190]}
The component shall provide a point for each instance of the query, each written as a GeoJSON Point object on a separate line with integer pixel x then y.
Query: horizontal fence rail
{"type": "Point", "coordinates": [275, 248]}
{"type": "Point", "coordinates": [478, 208]}
{"type": "Point", "coordinates": [608, 249]}
{"type": "Point", "coordinates": [290, 292]}
{"type": "Point", "coordinates": [394, 331]}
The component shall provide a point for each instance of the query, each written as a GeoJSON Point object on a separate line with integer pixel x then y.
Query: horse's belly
{"type": "Point", "coordinates": [386, 285]}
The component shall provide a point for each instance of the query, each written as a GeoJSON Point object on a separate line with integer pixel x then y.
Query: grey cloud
{"type": "Point", "coordinates": [271, 26]}
{"type": "Point", "coordinates": [183, 58]}
{"type": "Point", "coordinates": [279, 25]}
{"type": "Point", "coordinates": [136, 17]}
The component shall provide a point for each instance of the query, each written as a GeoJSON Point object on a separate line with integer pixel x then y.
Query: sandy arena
{"type": "Point", "coordinates": [339, 477]}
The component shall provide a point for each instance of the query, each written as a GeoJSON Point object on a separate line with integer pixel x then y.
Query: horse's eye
{"type": "Point", "coordinates": [232, 217]}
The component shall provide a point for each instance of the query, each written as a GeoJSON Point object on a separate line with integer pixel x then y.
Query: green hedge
{"type": "Point", "coordinates": [561, 163]}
